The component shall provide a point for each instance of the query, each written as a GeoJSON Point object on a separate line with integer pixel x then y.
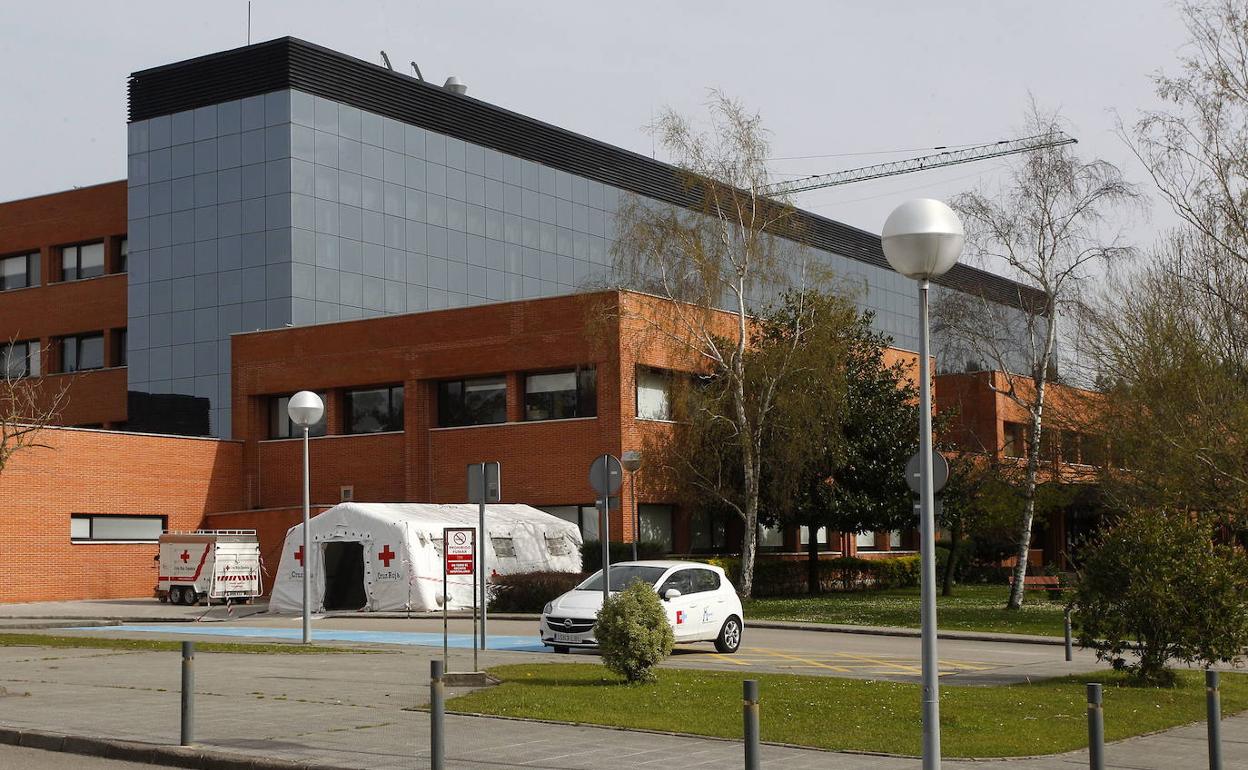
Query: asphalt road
{"type": "Point", "coordinates": [763, 650]}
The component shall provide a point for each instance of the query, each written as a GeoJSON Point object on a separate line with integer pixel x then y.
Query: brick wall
{"type": "Point", "coordinates": [87, 471]}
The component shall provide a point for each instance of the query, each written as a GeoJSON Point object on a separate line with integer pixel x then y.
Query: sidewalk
{"type": "Point", "coordinates": [349, 711]}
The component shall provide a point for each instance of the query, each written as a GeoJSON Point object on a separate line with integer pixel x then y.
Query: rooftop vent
{"type": "Point", "coordinates": [453, 85]}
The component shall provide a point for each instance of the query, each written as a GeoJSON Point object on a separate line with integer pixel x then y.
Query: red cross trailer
{"type": "Point", "coordinates": [213, 564]}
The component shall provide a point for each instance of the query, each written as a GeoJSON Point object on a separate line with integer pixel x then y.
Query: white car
{"type": "Point", "coordinates": [702, 606]}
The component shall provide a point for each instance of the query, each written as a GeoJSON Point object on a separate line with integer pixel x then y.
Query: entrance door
{"type": "Point", "coordinates": [344, 576]}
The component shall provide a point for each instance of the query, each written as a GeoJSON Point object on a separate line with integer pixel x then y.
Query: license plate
{"type": "Point", "coordinates": [566, 637]}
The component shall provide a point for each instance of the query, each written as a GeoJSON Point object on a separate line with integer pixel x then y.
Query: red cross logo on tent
{"type": "Point", "coordinates": [185, 557]}
{"type": "Point", "coordinates": [299, 555]}
{"type": "Point", "coordinates": [386, 555]}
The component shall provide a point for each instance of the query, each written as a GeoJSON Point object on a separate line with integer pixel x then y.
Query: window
{"type": "Point", "coordinates": [123, 255]}
{"type": "Point", "coordinates": [21, 359]}
{"type": "Point", "coordinates": [894, 539]}
{"type": "Point", "coordinates": [20, 271]}
{"type": "Point", "coordinates": [280, 425]}
{"type": "Point", "coordinates": [504, 547]}
{"type": "Point", "coordinates": [585, 517]}
{"type": "Point", "coordinates": [83, 261]}
{"type": "Point", "coordinates": [1015, 440]}
{"type": "Point", "coordinates": [119, 358]}
{"type": "Point", "coordinates": [1093, 451]}
{"type": "Point", "coordinates": [654, 394]}
{"type": "Point", "coordinates": [472, 402]}
{"type": "Point", "coordinates": [656, 525]}
{"type": "Point", "coordinates": [86, 527]}
{"type": "Point", "coordinates": [704, 580]}
{"type": "Point", "coordinates": [821, 537]}
{"type": "Point", "coordinates": [707, 533]}
{"type": "Point", "coordinates": [83, 352]}
{"type": "Point", "coordinates": [558, 545]}
{"type": "Point", "coordinates": [865, 540]}
{"type": "Point", "coordinates": [681, 581]}
{"type": "Point", "coordinates": [561, 395]}
{"type": "Point", "coordinates": [374, 410]}
{"type": "Point", "coordinates": [770, 537]}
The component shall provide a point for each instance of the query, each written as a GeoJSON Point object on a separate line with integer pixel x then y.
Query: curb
{"type": "Point", "coordinates": [192, 757]}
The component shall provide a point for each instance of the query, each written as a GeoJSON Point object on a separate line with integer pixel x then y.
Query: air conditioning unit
{"type": "Point", "coordinates": [346, 494]}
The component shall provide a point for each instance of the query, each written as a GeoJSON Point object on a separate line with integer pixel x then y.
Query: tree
{"type": "Point", "coordinates": [835, 458]}
{"type": "Point", "coordinates": [26, 406]}
{"type": "Point", "coordinates": [726, 251]}
{"type": "Point", "coordinates": [1155, 587]}
{"type": "Point", "coordinates": [978, 497]}
{"type": "Point", "coordinates": [1048, 226]}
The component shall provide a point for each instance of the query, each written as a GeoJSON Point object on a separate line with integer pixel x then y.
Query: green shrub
{"type": "Point", "coordinates": [1154, 588]}
{"type": "Point", "coordinates": [529, 591]}
{"type": "Point", "coordinates": [897, 572]}
{"type": "Point", "coordinates": [633, 633]}
{"type": "Point", "coordinates": [591, 553]}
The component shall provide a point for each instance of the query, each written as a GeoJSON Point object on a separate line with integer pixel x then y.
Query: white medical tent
{"type": "Point", "coordinates": [388, 556]}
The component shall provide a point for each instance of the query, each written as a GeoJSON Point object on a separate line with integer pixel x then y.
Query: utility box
{"type": "Point", "coordinates": [220, 564]}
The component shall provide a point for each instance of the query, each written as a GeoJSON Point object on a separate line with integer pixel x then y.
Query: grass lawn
{"type": "Point", "coordinates": [833, 713]}
{"type": "Point", "coordinates": [971, 608]}
{"type": "Point", "coordinates": [160, 645]}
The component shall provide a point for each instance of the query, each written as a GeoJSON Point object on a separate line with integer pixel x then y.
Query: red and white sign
{"type": "Point", "coordinates": [459, 551]}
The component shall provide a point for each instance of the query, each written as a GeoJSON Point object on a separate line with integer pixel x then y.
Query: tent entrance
{"type": "Point", "coordinates": [344, 576]}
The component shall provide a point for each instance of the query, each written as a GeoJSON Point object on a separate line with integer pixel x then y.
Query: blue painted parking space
{"type": "Point", "coordinates": [458, 641]}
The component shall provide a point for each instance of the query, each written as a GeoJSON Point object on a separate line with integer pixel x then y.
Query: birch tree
{"type": "Point", "coordinates": [717, 261]}
{"type": "Point", "coordinates": [1048, 226]}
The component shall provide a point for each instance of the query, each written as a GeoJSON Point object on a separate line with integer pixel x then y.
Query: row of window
{"type": "Point", "coordinates": [1071, 446]}
{"type": "Point", "coordinates": [480, 401]}
{"type": "Point", "coordinates": [88, 527]}
{"type": "Point", "coordinates": [79, 261]}
{"type": "Point", "coordinates": [81, 352]}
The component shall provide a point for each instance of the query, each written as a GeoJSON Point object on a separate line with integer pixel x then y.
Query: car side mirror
{"type": "Point", "coordinates": [671, 593]}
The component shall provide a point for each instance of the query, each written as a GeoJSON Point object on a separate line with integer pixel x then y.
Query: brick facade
{"type": "Point", "coordinates": [57, 308]}
{"type": "Point", "coordinates": [91, 471]}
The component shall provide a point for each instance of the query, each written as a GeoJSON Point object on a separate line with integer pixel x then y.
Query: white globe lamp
{"type": "Point", "coordinates": [922, 238]}
{"type": "Point", "coordinates": [305, 409]}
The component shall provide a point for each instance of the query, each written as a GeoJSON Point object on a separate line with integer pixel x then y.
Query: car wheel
{"type": "Point", "coordinates": [729, 639]}
{"type": "Point", "coordinates": [562, 650]}
{"type": "Point", "coordinates": [189, 597]}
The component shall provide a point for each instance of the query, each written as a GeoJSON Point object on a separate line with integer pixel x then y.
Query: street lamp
{"type": "Point", "coordinates": [631, 460]}
{"type": "Point", "coordinates": [305, 410]}
{"type": "Point", "coordinates": [922, 239]}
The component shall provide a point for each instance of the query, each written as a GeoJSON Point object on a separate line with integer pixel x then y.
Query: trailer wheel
{"type": "Point", "coordinates": [175, 594]}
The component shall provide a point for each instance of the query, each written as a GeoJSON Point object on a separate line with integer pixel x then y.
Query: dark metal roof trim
{"type": "Point", "coordinates": [293, 63]}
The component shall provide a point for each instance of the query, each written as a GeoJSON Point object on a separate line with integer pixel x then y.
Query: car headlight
{"type": "Point", "coordinates": [549, 608]}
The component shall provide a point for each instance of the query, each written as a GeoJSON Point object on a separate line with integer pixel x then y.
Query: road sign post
{"type": "Point", "coordinates": [484, 486]}
{"type": "Point", "coordinates": [605, 476]}
{"type": "Point", "coordinates": [459, 557]}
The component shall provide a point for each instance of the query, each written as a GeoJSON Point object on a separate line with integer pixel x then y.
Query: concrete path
{"type": "Point", "coordinates": [349, 711]}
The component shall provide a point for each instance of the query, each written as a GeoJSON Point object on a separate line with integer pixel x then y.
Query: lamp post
{"type": "Point", "coordinates": [305, 410]}
{"type": "Point", "coordinates": [631, 460]}
{"type": "Point", "coordinates": [922, 239]}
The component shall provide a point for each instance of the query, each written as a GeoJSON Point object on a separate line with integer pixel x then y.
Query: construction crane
{"type": "Point", "coordinates": [948, 158]}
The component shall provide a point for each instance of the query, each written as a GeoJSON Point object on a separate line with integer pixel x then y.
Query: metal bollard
{"type": "Point", "coordinates": [1096, 729]}
{"type": "Point", "coordinates": [1070, 649]}
{"type": "Point", "coordinates": [437, 712]}
{"type": "Point", "coordinates": [1213, 705]}
{"type": "Point", "coordinates": [188, 693]}
{"type": "Point", "coordinates": [750, 712]}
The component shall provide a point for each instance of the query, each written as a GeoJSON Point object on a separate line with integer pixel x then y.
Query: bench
{"type": "Point", "coordinates": [1040, 583]}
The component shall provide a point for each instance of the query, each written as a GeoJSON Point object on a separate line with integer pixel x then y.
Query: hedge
{"type": "Point", "coordinates": [776, 577]}
{"type": "Point", "coordinates": [529, 591]}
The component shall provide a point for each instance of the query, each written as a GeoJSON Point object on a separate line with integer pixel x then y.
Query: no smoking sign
{"type": "Point", "coordinates": [460, 551]}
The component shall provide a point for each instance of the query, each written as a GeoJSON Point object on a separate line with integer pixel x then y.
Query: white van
{"type": "Point", "coordinates": [209, 564]}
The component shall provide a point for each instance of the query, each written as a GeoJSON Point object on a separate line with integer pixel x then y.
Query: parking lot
{"type": "Point", "coordinates": [772, 650]}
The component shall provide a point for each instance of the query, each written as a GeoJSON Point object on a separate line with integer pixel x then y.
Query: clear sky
{"type": "Point", "coordinates": [855, 81]}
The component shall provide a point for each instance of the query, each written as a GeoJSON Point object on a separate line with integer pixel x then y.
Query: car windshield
{"type": "Point", "coordinates": [622, 575]}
